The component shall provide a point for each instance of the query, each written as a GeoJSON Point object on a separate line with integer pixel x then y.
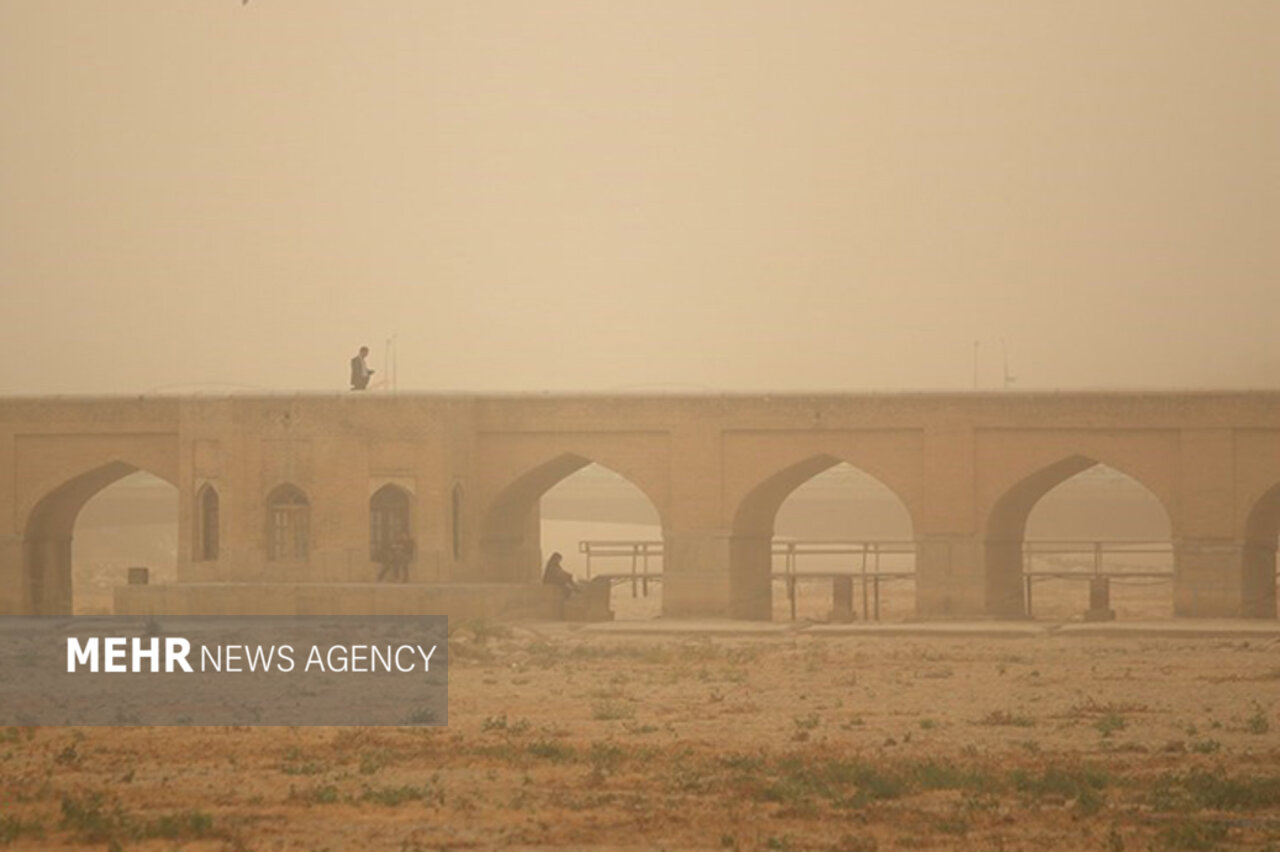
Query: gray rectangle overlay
{"type": "Point", "coordinates": [244, 670]}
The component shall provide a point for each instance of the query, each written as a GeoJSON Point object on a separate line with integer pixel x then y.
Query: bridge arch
{"type": "Point", "coordinates": [48, 532]}
{"type": "Point", "coordinates": [510, 531]}
{"type": "Point", "coordinates": [1005, 524]}
{"type": "Point", "coordinates": [753, 522]}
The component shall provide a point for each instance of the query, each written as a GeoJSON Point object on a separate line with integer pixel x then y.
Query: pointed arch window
{"type": "Point", "coordinates": [455, 507]}
{"type": "Point", "coordinates": [207, 511]}
{"type": "Point", "coordinates": [388, 518]}
{"type": "Point", "coordinates": [288, 525]}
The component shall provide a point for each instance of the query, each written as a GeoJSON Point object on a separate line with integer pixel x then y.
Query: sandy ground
{"type": "Point", "coordinates": [560, 737]}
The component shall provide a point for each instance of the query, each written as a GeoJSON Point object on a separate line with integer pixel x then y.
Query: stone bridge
{"type": "Point", "coordinates": [294, 490]}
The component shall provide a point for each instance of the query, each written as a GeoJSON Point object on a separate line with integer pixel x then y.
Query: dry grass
{"type": "Point", "coordinates": [558, 739]}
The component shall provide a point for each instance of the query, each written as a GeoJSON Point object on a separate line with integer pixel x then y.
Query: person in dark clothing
{"type": "Point", "coordinates": [556, 575]}
{"type": "Point", "coordinates": [395, 556]}
{"type": "Point", "coordinates": [360, 372]}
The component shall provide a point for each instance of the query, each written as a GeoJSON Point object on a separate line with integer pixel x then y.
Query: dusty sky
{"type": "Point", "coordinates": [615, 194]}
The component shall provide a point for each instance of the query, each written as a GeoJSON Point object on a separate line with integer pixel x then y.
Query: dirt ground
{"type": "Point", "coordinates": [562, 738]}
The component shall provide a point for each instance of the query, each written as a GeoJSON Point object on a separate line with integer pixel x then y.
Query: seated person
{"type": "Point", "coordinates": [556, 575]}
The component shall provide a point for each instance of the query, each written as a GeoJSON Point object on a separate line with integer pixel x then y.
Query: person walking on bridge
{"type": "Point", "coordinates": [360, 372]}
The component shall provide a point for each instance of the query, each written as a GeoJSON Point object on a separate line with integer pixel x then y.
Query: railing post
{"type": "Point", "coordinates": [866, 614]}
{"type": "Point", "coordinates": [644, 579]}
{"type": "Point", "coordinates": [1026, 576]}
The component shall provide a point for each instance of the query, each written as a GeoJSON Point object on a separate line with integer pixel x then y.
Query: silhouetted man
{"type": "Point", "coordinates": [360, 372]}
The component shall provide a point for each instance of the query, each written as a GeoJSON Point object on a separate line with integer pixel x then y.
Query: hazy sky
{"type": "Point", "coordinates": [613, 194]}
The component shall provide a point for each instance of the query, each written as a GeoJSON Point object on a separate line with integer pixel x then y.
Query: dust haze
{"type": "Point", "coordinates": [675, 196]}
{"type": "Point", "coordinates": [718, 195]}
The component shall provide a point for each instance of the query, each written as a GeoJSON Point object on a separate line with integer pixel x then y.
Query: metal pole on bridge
{"type": "Point", "coordinates": [875, 582]}
{"type": "Point", "coordinates": [865, 609]}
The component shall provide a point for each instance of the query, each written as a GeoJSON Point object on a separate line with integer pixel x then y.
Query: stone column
{"type": "Point", "coordinates": [13, 576]}
{"type": "Point", "coordinates": [1222, 578]}
{"type": "Point", "coordinates": [13, 579]}
{"type": "Point", "coordinates": [1210, 579]}
{"type": "Point", "coordinates": [951, 562]}
{"type": "Point", "coordinates": [751, 583]}
{"type": "Point", "coordinates": [949, 577]}
{"type": "Point", "coordinates": [695, 574]}
{"type": "Point", "coordinates": [1003, 582]}
{"type": "Point", "coordinates": [1259, 579]}
{"type": "Point", "coordinates": [49, 579]}
{"type": "Point", "coordinates": [514, 553]}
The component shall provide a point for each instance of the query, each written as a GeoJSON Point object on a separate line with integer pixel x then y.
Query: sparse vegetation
{"type": "Point", "coordinates": [1259, 722]}
{"type": "Point", "coordinates": [1109, 723]}
{"type": "Point", "coordinates": [741, 748]}
{"type": "Point", "coordinates": [92, 819]}
{"type": "Point", "coordinates": [1193, 834]}
{"type": "Point", "coordinates": [1005, 718]}
{"type": "Point", "coordinates": [393, 796]}
{"type": "Point", "coordinates": [609, 711]}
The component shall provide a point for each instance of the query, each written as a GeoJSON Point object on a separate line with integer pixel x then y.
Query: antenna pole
{"type": "Point", "coordinates": [391, 361]}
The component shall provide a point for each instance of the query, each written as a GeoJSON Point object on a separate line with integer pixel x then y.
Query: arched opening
{"type": "Point", "coordinates": [829, 525]}
{"type": "Point", "coordinates": [1055, 533]}
{"type": "Point", "coordinates": [1262, 529]}
{"type": "Point", "coordinates": [604, 525]}
{"type": "Point", "coordinates": [390, 518]}
{"type": "Point", "coordinates": [119, 518]}
{"type": "Point", "coordinates": [207, 524]}
{"type": "Point", "coordinates": [581, 501]}
{"type": "Point", "coordinates": [288, 524]}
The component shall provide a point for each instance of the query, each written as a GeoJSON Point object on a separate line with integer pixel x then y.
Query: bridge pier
{"type": "Point", "coordinates": [13, 578]}
{"type": "Point", "coordinates": [1003, 581]}
{"type": "Point", "coordinates": [1224, 578]}
{"type": "Point", "coordinates": [751, 581]}
{"type": "Point", "coordinates": [510, 560]}
{"type": "Point", "coordinates": [696, 580]}
{"type": "Point", "coordinates": [949, 577]}
{"type": "Point", "coordinates": [47, 585]}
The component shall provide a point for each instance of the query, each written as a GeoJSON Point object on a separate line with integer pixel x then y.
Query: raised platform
{"type": "Point", "coordinates": [461, 602]}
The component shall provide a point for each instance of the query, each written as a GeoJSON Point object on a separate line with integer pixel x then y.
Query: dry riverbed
{"type": "Point", "coordinates": [562, 739]}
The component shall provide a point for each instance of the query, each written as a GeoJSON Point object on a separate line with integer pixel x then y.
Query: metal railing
{"type": "Point", "coordinates": [1094, 556]}
{"type": "Point", "coordinates": [639, 552]}
{"type": "Point", "coordinates": [1099, 558]}
{"type": "Point", "coordinates": [866, 565]}
{"type": "Point", "coordinates": [866, 568]}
